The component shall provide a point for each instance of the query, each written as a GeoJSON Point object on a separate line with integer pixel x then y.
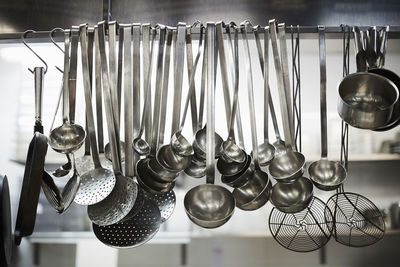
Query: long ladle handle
{"type": "Point", "coordinates": [164, 98]}
{"type": "Point", "coordinates": [189, 63]}
{"type": "Point", "coordinates": [88, 96]}
{"type": "Point", "coordinates": [72, 72]}
{"type": "Point", "coordinates": [236, 86]}
{"type": "Point", "coordinates": [281, 89]}
{"type": "Point", "coordinates": [191, 81]}
{"type": "Point", "coordinates": [263, 58]}
{"type": "Point", "coordinates": [147, 59]}
{"type": "Point", "coordinates": [285, 73]}
{"type": "Point", "coordinates": [107, 100]}
{"type": "Point", "coordinates": [250, 95]}
{"type": "Point", "coordinates": [322, 70]}
{"type": "Point", "coordinates": [147, 91]}
{"type": "Point", "coordinates": [65, 76]}
{"type": "Point", "coordinates": [178, 74]}
{"type": "Point", "coordinates": [158, 90]}
{"type": "Point", "coordinates": [224, 72]}
{"type": "Point", "coordinates": [211, 80]}
{"type": "Point", "coordinates": [237, 115]}
{"type": "Point", "coordinates": [203, 82]}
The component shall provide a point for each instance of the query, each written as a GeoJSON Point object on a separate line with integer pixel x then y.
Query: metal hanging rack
{"type": "Point", "coordinates": [307, 32]}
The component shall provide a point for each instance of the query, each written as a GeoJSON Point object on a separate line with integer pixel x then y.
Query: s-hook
{"type": "Point", "coordinates": [23, 41]}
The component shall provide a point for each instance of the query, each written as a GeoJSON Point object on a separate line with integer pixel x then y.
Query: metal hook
{"type": "Point", "coordinates": [41, 59]}
{"type": "Point", "coordinates": [51, 35]}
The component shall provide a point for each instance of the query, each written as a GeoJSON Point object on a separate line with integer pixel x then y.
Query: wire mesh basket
{"type": "Point", "coordinates": [304, 231]}
{"type": "Point", "coordinates": [357, 221]}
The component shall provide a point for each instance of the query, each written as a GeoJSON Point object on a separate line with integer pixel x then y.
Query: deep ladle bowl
{"type": "Point", "coordinates": [209, 205]}
{"type": "Point", "coordinates": [287, 166]}
{"type": "Point", "coordinates": [171, 160]}
{"type": "Point", "coordinates": [67, 138]}
{"type": "Point", "coordinates": [200, 140]}
{"type": "Point", "coordinates": [266, 153]}
{"type": "Point", "coordinates": [255, 193]}
{"type": "Point", "coordinates": [292, 197]}
{"type": "Point", "coordinates": [181, 145]}
{"type": "Point", "coordinates": [326, 174]}
{"type": "Point", "coordinates": [231, 152]}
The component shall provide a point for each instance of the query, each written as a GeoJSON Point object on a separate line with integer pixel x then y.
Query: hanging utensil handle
{"type": "Point", "coordinates": [189, 63]}
{"type": "Point", "coordinates": [236, 86]}
{"type": "Point", "coordinates": [224, 72]}
{"type": "Point", "coordinates": [112, 33]}
{"type": "Point", "coordinates": [382, 46]}
{"type": "Point", "coordinates": [39, 78]}
{"type": "Point", "coordinates": [65, 76]}
{"type": "Point", "coordinates": [263, 58]}
{"type": "Point", "coordinates": [359, 49]}
{"type": "Point", "coordinates": [203, 82]}
{"type": "Point", "coordinates": [126, 30]}
{"type": "Point", "coordinates": [281, 89]}
{"type": "Point", "coordinates": [164, 98]}
{"type": "Point", "coordinates": [250, 95]}
{"type": "Point", "coordinates": [147, 59]}
{"type": "Point", "coordinates": [322, 70]}
{"type": "Point", "coordinates": [72, 72]}
{"type": "Point", "coordinates": [372, 47]}
{"type": "Point", "coordinates": [211, 80]}
{"type": "Point", "coordinates": [147, 92]}
{"type": "Point", "coordinates": [239, 127]}
{"type": "Point", "coordinates": [90, 58]}
{"type": "Point", "coordinates": [88, 96]}
{"type": "Point", "coordinates": [191, 81]}
{"type": "Point", "coordinates": [286, 79]}
{"type": "Point", "coordinates": [99, 97]}
{"type": "Point", "coordinates": [158, 89]}
{"type": "Point", "coordinates": [107, 100]}
{"type": "Point", "coordinates": [178, 75]}
{"type": "Point", "coordinates": [136, 88]}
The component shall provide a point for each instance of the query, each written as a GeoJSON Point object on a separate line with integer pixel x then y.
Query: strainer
{"type": "Point", "coordinates": [122, 199]}
{"type": "Point", "coordinates": [134, 232]}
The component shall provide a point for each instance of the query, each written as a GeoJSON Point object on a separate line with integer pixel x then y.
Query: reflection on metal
{"type": "Point", "coordinates": [18, 16]}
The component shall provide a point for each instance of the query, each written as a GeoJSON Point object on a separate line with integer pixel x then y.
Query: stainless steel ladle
{"type": "Point", "coordinates": [325, 174]}
{"type": "Point", "coordinates": [178, 142]}
{"type": "Point", "coordinates": [139, 144]}
{"type": "Point", "coordinates": [230, 151]}
{"type": "Point", "coordinates": [68, 137]}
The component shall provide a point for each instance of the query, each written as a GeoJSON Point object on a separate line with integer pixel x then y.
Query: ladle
{"type": "Point", "coordinates": [255, 193]}
{"type": "Point", "coordinates": [287, 165]}
{"type": "Point", "coordinates": [197, 167]}
{"type": "Point", "coordinates": [230, 151]}
{"type": "Point", "coordinates": [97, 183]}
{"type": "Point", "coordinates": [266, 151]}
{"type": "Point", "coordinates": [178, 142]}
{"type": "Point", "coordinates": [139, 144]}
{"type": "Point", "coordinates": [64, 169]}
{"type": "Point", "coordinates": [121, 200]}
{"type": "Point", "coordinates": [68, 137]}
{"type": "Point", "coordinates": [152, 179]}
{"type": "Point", "coordinates": [325, 174]}
{"type": "Point", "coordinates": [210, 205]}
{"type": "Point", "coordinates": [166, 155]}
